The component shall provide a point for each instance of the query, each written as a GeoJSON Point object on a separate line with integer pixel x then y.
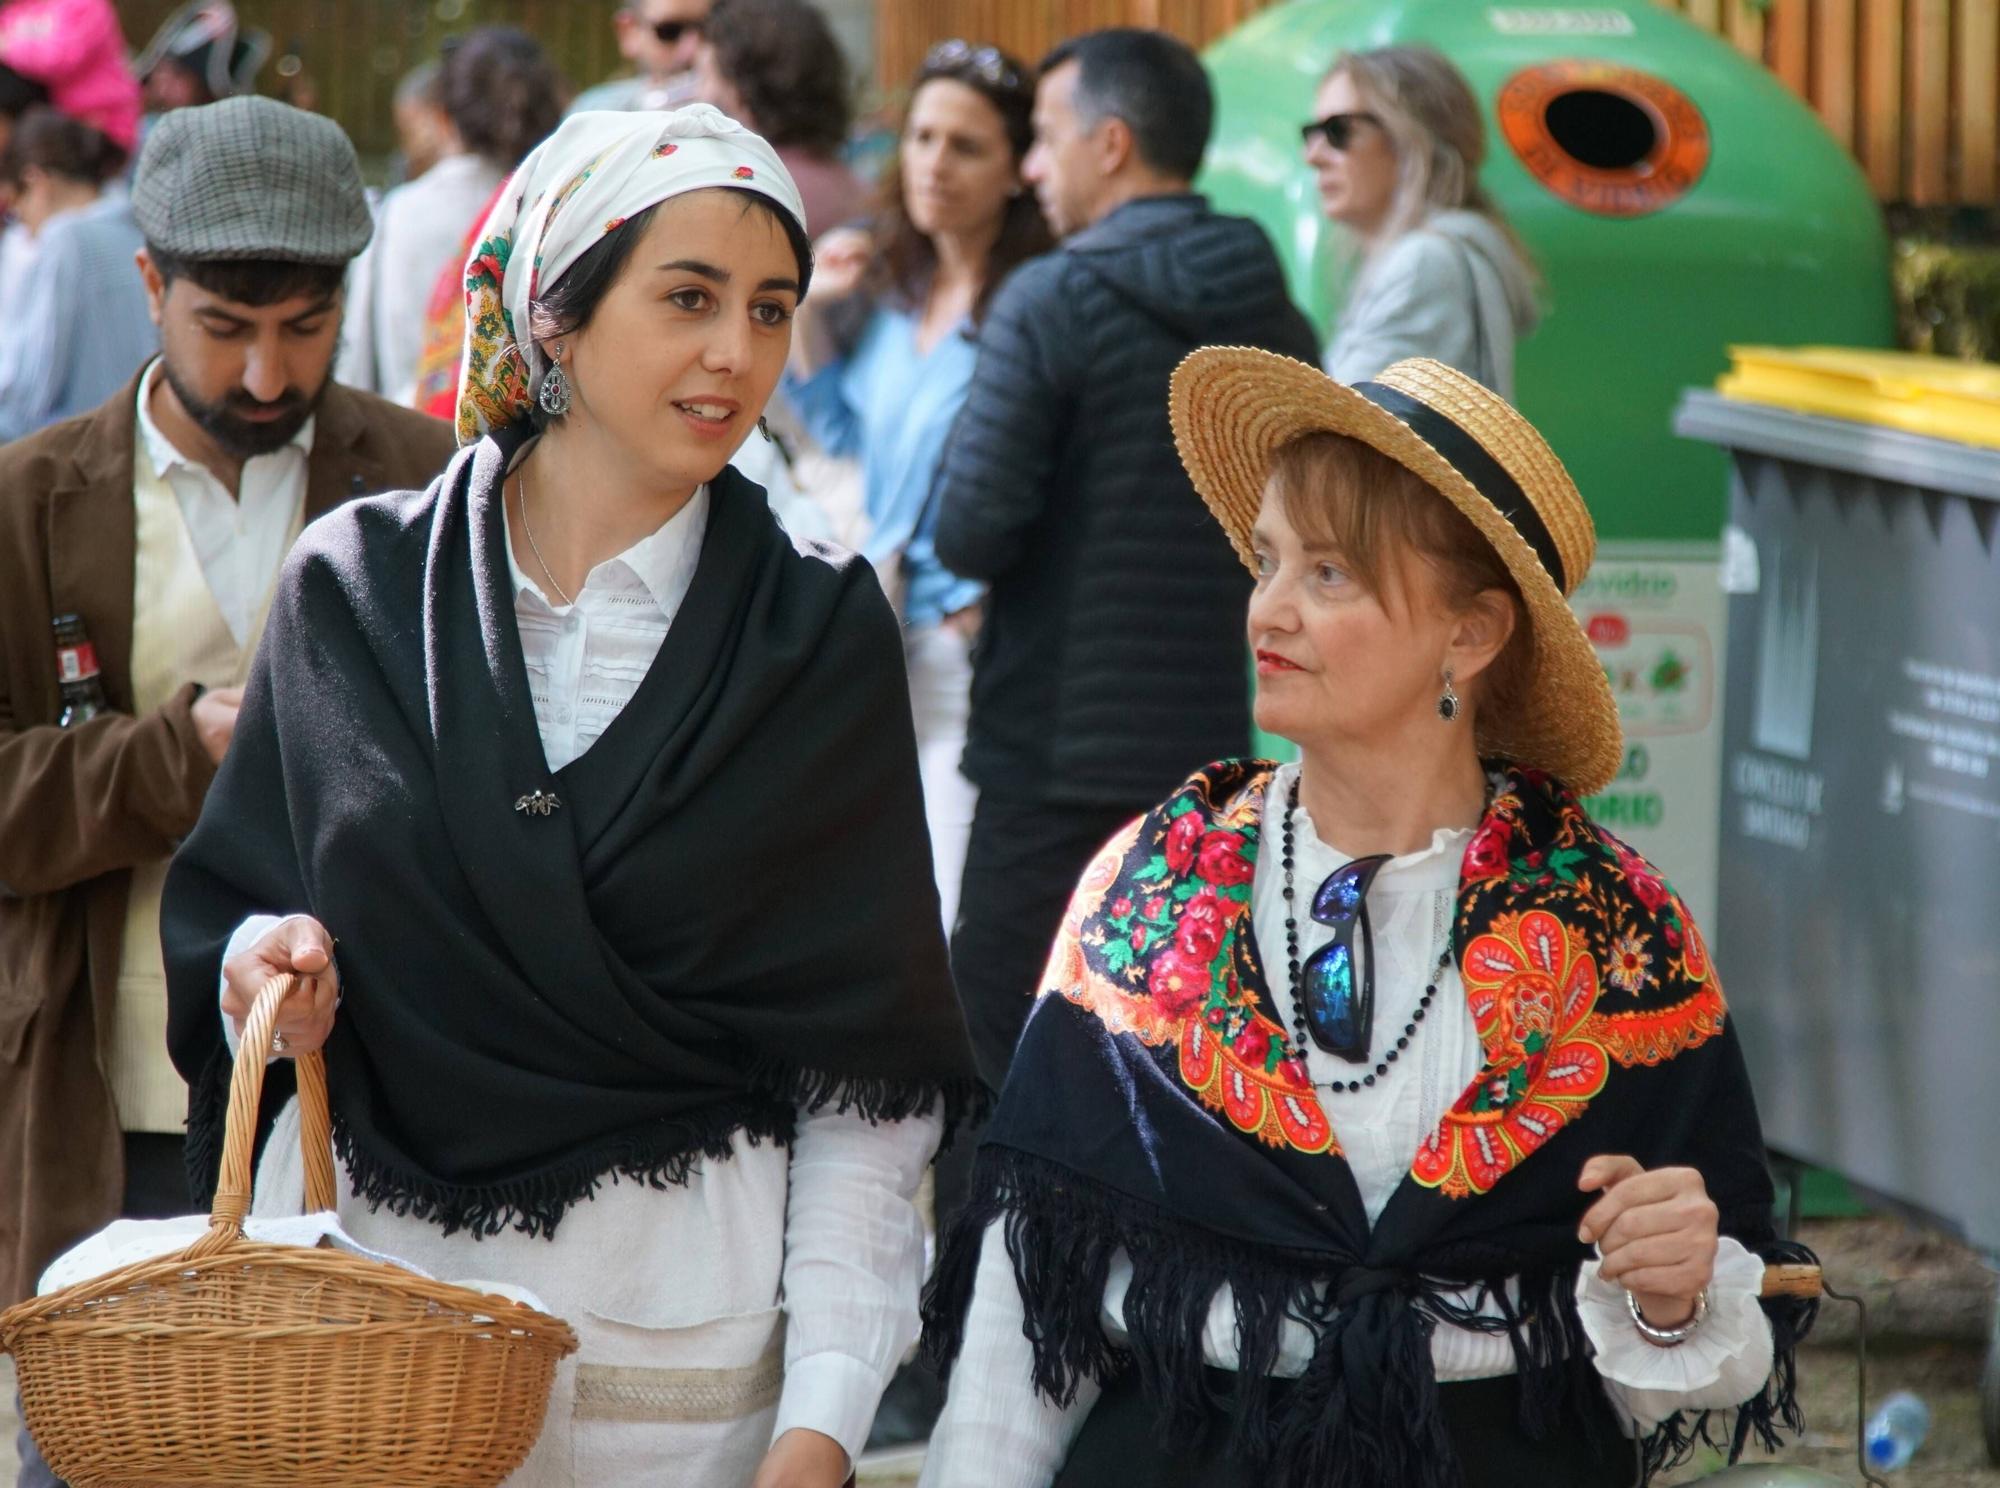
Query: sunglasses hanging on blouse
{"type": "Point", "coordinates": [1336, 129]}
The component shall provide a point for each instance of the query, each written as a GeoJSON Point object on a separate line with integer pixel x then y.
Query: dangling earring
{"type": "Point", "coordinates": [763, 427]}
{"type": "Point", "coordinates": [554, 394]}
{"type": "Point", "coordinates": [1448, 700]}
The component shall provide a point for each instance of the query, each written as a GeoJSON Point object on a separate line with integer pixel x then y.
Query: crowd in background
{"type": "Point", "coordinates": [909, 265]}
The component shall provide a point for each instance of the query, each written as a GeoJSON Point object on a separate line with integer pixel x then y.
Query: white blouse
{"type": "Point", "coordinates": [690, 1278]}
{"type": "Point", "coordinates": [997, 1432]}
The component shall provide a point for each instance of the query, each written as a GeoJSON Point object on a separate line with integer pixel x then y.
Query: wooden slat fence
{"type": "Point", "coordinates": [1912, 87]}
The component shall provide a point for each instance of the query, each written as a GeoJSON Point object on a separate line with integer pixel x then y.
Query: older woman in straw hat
{"type": "Point", "coordinates": [1381, 1121]}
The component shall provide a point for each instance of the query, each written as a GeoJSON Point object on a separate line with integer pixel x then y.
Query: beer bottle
{"type": "Point", "coordinates": [76, 667]}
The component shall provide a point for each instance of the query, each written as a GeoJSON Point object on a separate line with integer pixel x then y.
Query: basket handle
{"type": "Point", "coordinates": [246, 1090]}
{"type": "Point", "coordinates": [1792, 1281]}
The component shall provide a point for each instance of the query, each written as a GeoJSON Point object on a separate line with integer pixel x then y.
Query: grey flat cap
{"type": "Point", "coordinates": [251, 178]}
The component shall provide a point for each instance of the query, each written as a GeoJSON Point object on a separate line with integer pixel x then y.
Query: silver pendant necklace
{"type": "Point", "coordinates": [535, 547]}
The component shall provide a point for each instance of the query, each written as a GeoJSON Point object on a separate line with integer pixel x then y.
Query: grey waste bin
{"type": "Point", "coordinates": [1858, 933]}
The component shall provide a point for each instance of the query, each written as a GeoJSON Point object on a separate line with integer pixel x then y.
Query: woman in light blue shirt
{"type": "Point", "coordinates": [881, 359]}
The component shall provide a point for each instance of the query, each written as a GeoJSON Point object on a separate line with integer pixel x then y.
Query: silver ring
{"type": "Point", "coordinates": [278, 1045]}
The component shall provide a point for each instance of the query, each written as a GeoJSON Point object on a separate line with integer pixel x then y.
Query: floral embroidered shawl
{"type": "Point", "coordinates": [1157, 1106]}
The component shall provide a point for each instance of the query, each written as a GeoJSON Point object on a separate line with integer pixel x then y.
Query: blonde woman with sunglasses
{"type": "Point", "coordinates": [1395, 146]}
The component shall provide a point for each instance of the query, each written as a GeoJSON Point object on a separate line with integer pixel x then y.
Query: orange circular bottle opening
{"type": "Point", "coordinates": [1609, 139]}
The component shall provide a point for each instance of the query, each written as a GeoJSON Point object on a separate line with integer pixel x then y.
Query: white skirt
{"type": "Point", "coordinates": [674, 1296]}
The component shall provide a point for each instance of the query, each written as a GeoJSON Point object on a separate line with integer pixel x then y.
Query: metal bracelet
{"type": "Point", "coordinates": [1668, 1337]}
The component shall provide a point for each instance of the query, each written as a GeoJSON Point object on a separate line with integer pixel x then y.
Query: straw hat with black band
{"type": "Point", "coordinates": [1234, 407]}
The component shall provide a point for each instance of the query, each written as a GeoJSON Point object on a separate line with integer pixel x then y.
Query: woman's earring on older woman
{"type": "Point", "coordinates": [554, 394]}
{"type": "Point", "coordinates": [1448, 700]}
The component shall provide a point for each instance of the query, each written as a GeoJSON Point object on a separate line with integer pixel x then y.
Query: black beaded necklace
{"type": "Point", "coordinates": [1299, 1034]}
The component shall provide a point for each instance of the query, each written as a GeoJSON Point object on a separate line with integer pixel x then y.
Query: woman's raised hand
{"type": "Point", "coordinates": [1656, 1232]}
{"type": "Point", "coordinates": [839, 260]}
{"type": "Point", "coordinates": [299, 945]}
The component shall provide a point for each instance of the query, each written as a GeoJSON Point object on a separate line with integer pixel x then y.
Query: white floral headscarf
{"type": "Point", "coordinates": [581, 183]}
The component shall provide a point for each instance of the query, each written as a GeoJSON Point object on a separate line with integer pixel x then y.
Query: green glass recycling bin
{"type": "Point", "coordinates": [1676, 196]}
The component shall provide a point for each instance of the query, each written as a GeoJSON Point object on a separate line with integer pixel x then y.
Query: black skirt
{"type": "Point", "coordinates": [1119, 1445]}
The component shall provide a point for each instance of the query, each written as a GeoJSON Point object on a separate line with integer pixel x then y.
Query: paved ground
{"type": "Point", "coordinates": [1929, 1305]}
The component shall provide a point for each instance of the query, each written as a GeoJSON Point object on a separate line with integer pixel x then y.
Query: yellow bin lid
{"type": "Point", "coordinates": [1928, 395]}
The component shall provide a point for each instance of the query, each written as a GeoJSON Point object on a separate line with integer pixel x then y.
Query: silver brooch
{"type": "Point", "coordinates": [539, 803]}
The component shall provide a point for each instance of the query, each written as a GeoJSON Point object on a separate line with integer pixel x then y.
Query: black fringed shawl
{"type": "Point", "coordinates": [1153, 1108]}
{"type": "Point", "coordinates": [731, 913]}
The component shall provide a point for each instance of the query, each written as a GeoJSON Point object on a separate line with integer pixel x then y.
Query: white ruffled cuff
{"type": "Point", "coordinates": [1724, 1363]}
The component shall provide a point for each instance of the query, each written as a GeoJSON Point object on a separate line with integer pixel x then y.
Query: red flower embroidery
{"type": "Point", "coordinates": [1138, 937]}
{"type": "Point", "coordinates": [1154, 906]}
{"type": "Point", "coordinates": [744, 173]}
{"type": "Point", "coordinates": [1646, 885]}
{"type": "Point", "coordinates": [660, 152]}
{"type": "Point", "coordinates": [1204, 920]}
{"type": "Point", "coordinates": [1121, 908]}
{"type": "Point", "coordinates": [1183, 837]}
{"type": "Point", "coordinates": [1253, 1044]}
{"type": "Point", "coordinates": [1293, 1069]}
{"type": "Point", "coordinates": [1486, 857]}
{"type": "Point", "coordinates": [1178, 985]}
{"type": "Point", "coordinates": [1222, 861]}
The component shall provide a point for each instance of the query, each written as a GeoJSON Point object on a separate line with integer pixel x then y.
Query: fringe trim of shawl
{"type": "Point", "coordinates": [661, 1157]}
{"type": "Point", "coordinates": [1062, 1233]}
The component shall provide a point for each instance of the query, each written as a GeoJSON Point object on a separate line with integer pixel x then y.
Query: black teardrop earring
{"type": "Point", "coordinates": [1448, 700]}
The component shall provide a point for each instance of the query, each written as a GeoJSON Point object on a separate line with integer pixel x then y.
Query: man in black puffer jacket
{"type": "Point", "coordinates": [1111, 661]}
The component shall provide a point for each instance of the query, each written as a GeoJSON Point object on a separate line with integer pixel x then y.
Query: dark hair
{"type": "Point", "coordinates": [251, 281]}
{"type": "Point", "coordinates": [783, 61]}
{"type": "Point", "coordinates": [501, 92]}
{"type": "Point", "coordinates": [907, 258]}
{"type": "Point", "coordinates": [58, 145]}
{"type": "Point", "coordinates": [573, 299]}
{"type": "Point", "coordinates": [1152, 82]}
{"type": "Point", "coordinates": [18, 94]}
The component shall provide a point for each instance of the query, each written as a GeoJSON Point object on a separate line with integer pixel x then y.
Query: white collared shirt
{"type": "Point", "coordinates": [240, 537]}
{"type": "Point", "coordinates": [587, 658]}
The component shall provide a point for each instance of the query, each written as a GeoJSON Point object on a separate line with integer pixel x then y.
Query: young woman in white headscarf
{"type": "Point", "coordinates": [639, 997]}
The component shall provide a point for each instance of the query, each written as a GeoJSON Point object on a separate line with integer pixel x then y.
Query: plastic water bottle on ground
{"type": "Point", "coordinates": [1896, 1430]}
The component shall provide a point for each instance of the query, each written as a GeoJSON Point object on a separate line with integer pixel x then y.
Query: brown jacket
{"type": "Point", "coordinates": [80, 807]}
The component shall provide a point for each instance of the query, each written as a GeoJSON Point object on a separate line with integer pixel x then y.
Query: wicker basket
{"type": "Point", "coordinates": [240, 1363]}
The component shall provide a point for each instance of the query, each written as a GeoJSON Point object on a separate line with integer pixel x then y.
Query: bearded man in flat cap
{"type": "Point", "coordinates": [153, 529]}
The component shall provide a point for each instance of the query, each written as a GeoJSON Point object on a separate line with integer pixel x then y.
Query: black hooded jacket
{"type": "Point", "coordinates": [1111, 661]}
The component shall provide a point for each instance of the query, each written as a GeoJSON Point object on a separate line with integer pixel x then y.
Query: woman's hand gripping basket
{"type": "Point", "coordinates": [241, 1363]}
